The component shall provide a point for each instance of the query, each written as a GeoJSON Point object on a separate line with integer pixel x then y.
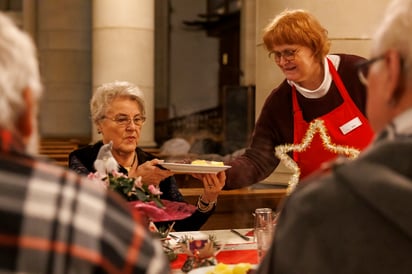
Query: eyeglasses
{"type": "Point", "coordinates": [363, 68]}
{"type": "Point", "coordinates": [288, 55]}
{"type": "Point", "coordinates": [124, 120]}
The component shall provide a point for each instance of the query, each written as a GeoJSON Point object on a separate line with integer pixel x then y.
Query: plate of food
{"type": "Point", "coordinates": [197, 166]}
{"type": "Point", "coordinates": [221, 268]}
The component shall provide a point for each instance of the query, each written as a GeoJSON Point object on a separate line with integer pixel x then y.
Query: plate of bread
{"type": "Point", "coordinates": [196, 166]}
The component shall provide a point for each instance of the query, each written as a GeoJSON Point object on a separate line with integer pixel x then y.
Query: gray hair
{"type": "Point", "coordinates": [106, 93]}
{"type": "Point", "coordinates": [394, 32]}
{"type": "Point", "coordinates": [18, 70]}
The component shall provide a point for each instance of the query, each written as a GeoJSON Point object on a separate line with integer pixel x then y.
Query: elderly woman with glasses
{"type": "Point", "coordinates": [318, 85]}
{"type": "Point", "coordinates": [118, 111]}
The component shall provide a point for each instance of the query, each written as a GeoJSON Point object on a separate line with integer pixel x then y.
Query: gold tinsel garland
{"type": "Point", "coordinates": [316, 126]}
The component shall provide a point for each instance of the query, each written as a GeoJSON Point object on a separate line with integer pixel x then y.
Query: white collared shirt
{"type": "Point", "coordinates": [327, 80]}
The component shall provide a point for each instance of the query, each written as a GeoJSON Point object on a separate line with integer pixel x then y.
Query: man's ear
{"type": "Point", "coordinates": [25, 124]}
{"type": "Point", "coordinates": [395, 78]}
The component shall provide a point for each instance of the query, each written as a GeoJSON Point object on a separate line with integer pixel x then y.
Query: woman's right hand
{"type": "Point", "coordinates": [151, 174]}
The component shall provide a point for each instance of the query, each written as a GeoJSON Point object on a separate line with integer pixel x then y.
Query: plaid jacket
{"type": "Point", "coordinates": [53, 221]}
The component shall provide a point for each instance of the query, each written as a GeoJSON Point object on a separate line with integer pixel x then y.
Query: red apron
{"type": "Point", "coordinates": [346, 125]}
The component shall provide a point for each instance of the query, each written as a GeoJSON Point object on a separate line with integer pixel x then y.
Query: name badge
{"type": "Point", "coordinates": [351, 125]}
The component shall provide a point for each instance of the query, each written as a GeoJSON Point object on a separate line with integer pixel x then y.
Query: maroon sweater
{"type": "Point", "coordinates": [275, 124]}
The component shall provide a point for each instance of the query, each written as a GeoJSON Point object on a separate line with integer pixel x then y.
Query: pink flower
{"type": "Point", "coordinates": [92, 176]}
{"type": "Point", "coordinates": [97, 178]}
{"type": "Point", "coordinates": [154, 190]}
{"type": "Point", "coordinates": [117, 174]}
{"type": "Point", "coordinates": [138, 182]}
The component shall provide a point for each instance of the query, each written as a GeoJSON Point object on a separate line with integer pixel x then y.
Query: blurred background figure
{"type": "Point", "coordinates": [54, 221]}
{"type": "Point", "coordinates": [356, 218]}
{"type": "Point", "coordinates": [118, 111]}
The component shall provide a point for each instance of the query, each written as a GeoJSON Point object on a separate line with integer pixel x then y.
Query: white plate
{"type": "Point", "coordinates": [202, 270]}
{"type": "Point", "coordinates": [205, 269]}
{"type": "Point", "coordinates": [189, 168]}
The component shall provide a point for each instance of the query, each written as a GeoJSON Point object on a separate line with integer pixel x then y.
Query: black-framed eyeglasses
{"type": "Point", "coordinates": [287, 54]}
{"type": "Point", "coordinates": [363, 68]}
{"type": "Point", "coordinates": [124, 120]}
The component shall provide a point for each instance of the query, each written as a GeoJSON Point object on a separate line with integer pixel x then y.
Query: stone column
{"type": "Point", "coordinates": [248, 42]}
{"type": "Point", "coordinates": [29, 17]}
{"type": "Point", "coordinates": [62, 31]}
{"type": "Point", "coordinates": [123, 49]}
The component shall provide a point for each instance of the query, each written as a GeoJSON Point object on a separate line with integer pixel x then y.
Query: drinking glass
{"type": "Point", "coordinates": [263, 230]}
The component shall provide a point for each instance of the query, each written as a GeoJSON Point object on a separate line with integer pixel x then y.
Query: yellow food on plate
{"type": "Point", "coordinates": [241, 268]}
{"type": "Point", "coordinates": [206, 163]}
{"type": "Point", "coordinates": [221, 268]}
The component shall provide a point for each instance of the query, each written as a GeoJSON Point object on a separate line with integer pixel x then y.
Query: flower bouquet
{"type": "Point", "coordinates": [142, 197]}
{"type": "Point", "coordinates": [132, 189]}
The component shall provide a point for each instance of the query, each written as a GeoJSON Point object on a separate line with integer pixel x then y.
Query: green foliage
{"type": "Point", "coordinates": [126, 187]}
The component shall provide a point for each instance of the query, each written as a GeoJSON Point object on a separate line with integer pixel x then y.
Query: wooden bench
{"type": "Point", "coordinates": [57, 150]}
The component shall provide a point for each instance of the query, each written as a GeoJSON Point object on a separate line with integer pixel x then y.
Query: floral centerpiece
{"type": "Point", "coordinates": [200, 252]}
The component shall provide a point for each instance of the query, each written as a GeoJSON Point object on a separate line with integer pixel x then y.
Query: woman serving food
{"type": "Point", "coordinates": [318, 85]}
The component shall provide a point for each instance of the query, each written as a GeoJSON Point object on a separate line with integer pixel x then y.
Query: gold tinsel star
{"type": "Point", "coordinates": [316, 126]}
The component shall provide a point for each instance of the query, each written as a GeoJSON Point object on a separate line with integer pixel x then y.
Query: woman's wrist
{"type": "Point", "coordinates": [209, 197]}
{"type": "Point", "coordinates": [205, 206]}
